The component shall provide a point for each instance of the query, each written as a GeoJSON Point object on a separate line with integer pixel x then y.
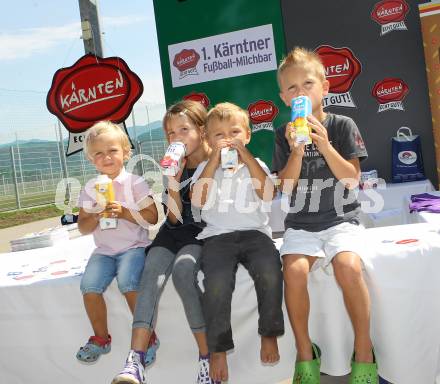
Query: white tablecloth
{"type": "Point", "coordinates": [426, 217]}
{"type": "Point", "coordinates": [42, 322]}
{"type": "Point", "coordinates": [402, 267]}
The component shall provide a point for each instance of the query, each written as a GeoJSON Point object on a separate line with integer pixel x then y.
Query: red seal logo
{"type": "Point", "coordinates": [407, 241]}
{"type": "Point", "coordinates": [57, 273]}
{"type": "Point", "coordinates": [341, 67]}
{"type": "Point", "coordinates": [390, 89]}
{"type": "Point", "coordinates": [93, 89]}
{"type": "Point", "coordinates": [200, 97]}
{"type": "Point", "coordinates": [262, 111]}
{"type": "Point", "coordinates": [186, 59]}
{"type": "Point", "coordinates": [389, 11]}
{"type": "Point", "coordinates": [23, 277]}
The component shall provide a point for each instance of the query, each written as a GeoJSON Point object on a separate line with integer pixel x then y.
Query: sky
{"type": "Point", "coordinates": [38, 37]}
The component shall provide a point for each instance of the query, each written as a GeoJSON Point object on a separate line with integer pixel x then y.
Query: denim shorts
{"type": "Point", "coordinates": [127, 267]}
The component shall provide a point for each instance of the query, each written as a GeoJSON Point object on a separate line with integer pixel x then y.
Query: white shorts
{"type": "Point", "coordinates": [326, 244]}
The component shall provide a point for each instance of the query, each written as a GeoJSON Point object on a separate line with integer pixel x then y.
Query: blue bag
{"type": "Point", "coordinates": [407, 160]}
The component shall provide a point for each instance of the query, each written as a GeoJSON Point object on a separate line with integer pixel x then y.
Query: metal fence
{"type": "Point", "coordinates": [33, 162]}
{"type": "Point", "coordinates": [30, 172]}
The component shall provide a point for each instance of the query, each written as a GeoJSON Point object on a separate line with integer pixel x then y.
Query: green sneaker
{"type": "Point", "coordinates": [308, 372]}
{"type": "Point", "coordinates": [364, 373]}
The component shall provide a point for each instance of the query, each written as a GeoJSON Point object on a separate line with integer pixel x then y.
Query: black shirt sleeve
{"type": "Point", "coordinates": [281, 150]}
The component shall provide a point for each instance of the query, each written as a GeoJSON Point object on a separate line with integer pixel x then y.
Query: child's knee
{"type": "Point", "coordinates": [92, 296]}
{"type": "Point", "coordinates": [296, 272]}
{"type": "Point", "coordinates": [217, 288]}
{"type": "Point", "coordinates": [347, 271]}
{"type": "Point", "coordinates": [183, 273]}
{"type": "Point", "coordinates": [128, 286]}
{"type": "Point", "coordinates": [271, 280]}
{"type": "Point", "coordinates": [128, 283]}
{"type": "Point", "coordinates": [92, 287]}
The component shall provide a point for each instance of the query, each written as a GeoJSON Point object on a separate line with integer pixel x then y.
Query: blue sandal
{"type": "Point", "coordinates": [150, 355]}
{"type": "Point", "coordinates": [95, 347]}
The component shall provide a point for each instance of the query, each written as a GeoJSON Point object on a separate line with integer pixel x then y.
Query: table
{"type": "Point", "coordinates": [43, 323]}
{"type": "Point", "coordinates": [42, 320]}
{"type": "Point", "coordinates": [426, 217]}
{"type": "Point", "coordinates": [394, 195]}
{"type": "Point", "coordinates": [392, 212]}
{"type": "Point", "coordinates": [402, 277]}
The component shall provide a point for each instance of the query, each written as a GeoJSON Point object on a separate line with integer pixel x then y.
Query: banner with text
{"type": "Point", "coordinates": [250, 50]}
{"type": "Point", "coordinates": [226, 52]}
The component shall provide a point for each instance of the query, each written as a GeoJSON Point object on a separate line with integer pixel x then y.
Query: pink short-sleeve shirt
{"type": "Point", "coordinates": [129, 191]}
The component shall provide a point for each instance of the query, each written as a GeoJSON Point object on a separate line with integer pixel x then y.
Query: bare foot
{"type": "Point", "coordinates": [218, 366]}
{"type": "Point", "coordinates": [269, 350]}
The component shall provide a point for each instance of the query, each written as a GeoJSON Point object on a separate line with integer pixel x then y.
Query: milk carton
{"type": "Point", "coordinates": [104, 195]}
{"type": "Point", "coordinates": [172, 160]}
{"type": "Point", "coordinates": [229, 158]}
{"type": "Point", "coordinates": [301, 108]}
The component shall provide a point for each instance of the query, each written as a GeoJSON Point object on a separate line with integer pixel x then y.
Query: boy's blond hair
{"type": "Point", "coordinates": [225, 111]}
{"type": "Point", "coordinates": [193, 110]}
{"type": "Point", "coordinates": [102, 127]}
{"type": "Point", "coordinates": [305, 58]}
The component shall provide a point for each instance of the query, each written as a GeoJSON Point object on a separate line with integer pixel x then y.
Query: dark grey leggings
{"type": "Point", "coordinates": [160, 263]}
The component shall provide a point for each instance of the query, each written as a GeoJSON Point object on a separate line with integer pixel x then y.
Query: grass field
{"type": "Point", "coordinates": [40, 205]}
{"type": "Point", "coordinates": [8, 202]}
{"type": "Point", "coordinates": [23, 216]}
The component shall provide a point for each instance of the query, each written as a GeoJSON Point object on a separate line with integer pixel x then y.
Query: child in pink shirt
{"type": "Point", "coordinates": [120, 251]}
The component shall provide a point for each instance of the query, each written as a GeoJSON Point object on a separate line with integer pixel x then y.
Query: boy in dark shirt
{"type": "Point", "coordinates": [322, 227]}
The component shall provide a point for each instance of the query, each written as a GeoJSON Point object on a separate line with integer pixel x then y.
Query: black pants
{"type": "Point", "coordinates": [220, 257]}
